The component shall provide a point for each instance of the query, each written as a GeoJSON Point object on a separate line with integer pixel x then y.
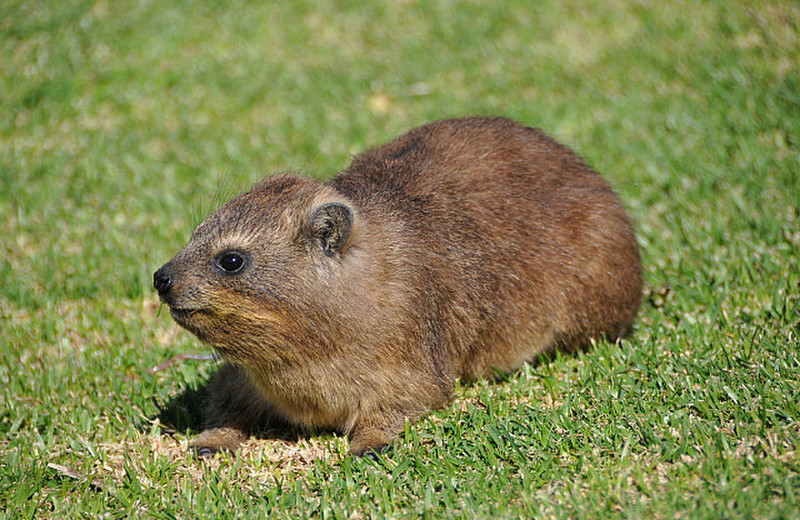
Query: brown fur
{"type": "Point", "coordinates": [462, 248]}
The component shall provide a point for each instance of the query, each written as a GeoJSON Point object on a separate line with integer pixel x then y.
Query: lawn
{"type": "Point", "coordinates": [122, 124]}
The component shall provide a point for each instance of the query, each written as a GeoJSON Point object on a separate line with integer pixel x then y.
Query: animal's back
{"type": "Point", "coordinates": [512, 244]}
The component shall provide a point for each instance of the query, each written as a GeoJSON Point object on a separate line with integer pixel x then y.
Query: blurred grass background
{"type": "Point", "coordinates": [122, 124]}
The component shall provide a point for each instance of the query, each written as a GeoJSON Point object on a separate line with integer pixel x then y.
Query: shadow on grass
{"type": "Point", "coordinates": [186, 413]}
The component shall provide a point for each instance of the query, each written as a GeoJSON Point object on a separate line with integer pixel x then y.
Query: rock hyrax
{"type": "Point", "coordinates": [463, 248]}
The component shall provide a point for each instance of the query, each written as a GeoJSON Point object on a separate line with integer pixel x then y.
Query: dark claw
{"type": "Point", "coordinates": [375, 452]}
{"type": "Point", "coordinates": [204, 452]}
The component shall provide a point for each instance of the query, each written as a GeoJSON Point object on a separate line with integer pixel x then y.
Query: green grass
{"type": "Point", "coordinates": [123, 123]}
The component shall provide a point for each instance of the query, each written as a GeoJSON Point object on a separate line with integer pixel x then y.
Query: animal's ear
{"type": "Point", "coordinates": [331, 225]}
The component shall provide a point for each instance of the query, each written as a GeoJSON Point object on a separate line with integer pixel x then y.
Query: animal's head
{"type": "Point", "coordinates": [247, 280]}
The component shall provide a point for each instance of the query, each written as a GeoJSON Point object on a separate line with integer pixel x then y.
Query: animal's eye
{"type": "Point", "coordinates": [231, 261]}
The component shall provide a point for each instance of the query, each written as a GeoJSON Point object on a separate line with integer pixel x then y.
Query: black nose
{"type": "Point", "coordinates": [162, 281]}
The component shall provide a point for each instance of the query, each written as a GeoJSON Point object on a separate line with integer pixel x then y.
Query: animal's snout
{"type": "Point", "coordinates": [162, 281]}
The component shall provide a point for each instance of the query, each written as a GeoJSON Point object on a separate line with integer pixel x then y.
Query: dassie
{"type": "Point", "coordinates": [462, 249]}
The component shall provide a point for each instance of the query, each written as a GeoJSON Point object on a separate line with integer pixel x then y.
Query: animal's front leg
{"type": "Point", "coordinates": [235, 409]}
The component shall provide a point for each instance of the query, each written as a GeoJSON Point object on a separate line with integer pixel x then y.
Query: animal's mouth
{"type": "Point", "coordinates": [184, 314]}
